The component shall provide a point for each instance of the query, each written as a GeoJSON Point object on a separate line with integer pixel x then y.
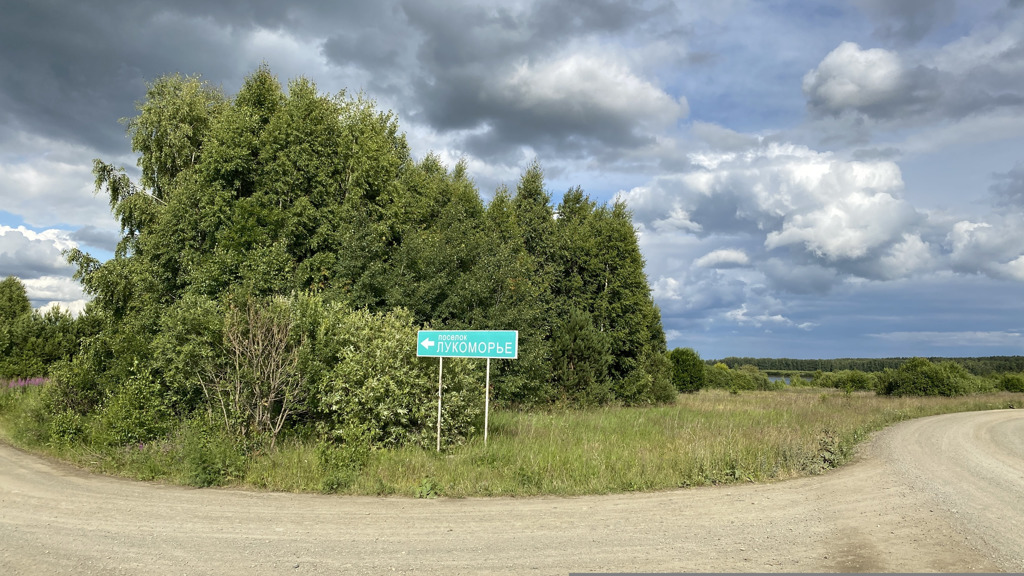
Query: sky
{"type": "Point", "coordinates": [808, 178]}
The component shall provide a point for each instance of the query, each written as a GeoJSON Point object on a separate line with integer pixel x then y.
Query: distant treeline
{"type": "Point", "coordinates": [979, 366]}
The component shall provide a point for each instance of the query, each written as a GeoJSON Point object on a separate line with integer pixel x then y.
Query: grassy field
{"type": "Point", "coordinates": [712, 437]}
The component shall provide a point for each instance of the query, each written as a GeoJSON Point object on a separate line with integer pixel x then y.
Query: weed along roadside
{"type": "Point", "coordinates": [487, 344]}
{"type": "Point", "coordinates": [706, 438]}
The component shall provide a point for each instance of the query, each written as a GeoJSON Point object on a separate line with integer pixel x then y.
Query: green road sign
{"type": "Point", "coordinates": [468, 343]}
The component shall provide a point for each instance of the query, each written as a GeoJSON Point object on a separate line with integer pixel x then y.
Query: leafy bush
{"type": "Point", "coordinates": [754, 379]}
{"type": "Point", "coordinates": [688, 370]}
{"type": "Point", "coordinates": [649, 383]}
{"type": "Point", "coordinates": [211, 455]}
{"type": "Point", "coordinates": [66, 428]}
{"type": "Point", "coordinates": [831, 453]}
{"type": "Point", "coordinates": [920, 377]}
{"type": "Point", "coordinates": [136, 413]}
{"type": "Point", "coordinates": [188, 349]}
{"type": "Point", "coordinates": [847, 380]}
{"type": "Point", "coordinates": [799, 381]}
{"type": "Point", "coordinates": [74, 386]}
{"type": "Point", "coordinates": [719, 376]}
{"type": "Point", "coordinates": [1012, 382]}
{"type": "Point", "coordinates": [746, 377]}
{"type": "Point", "coordinates": [364, 376]}
{"type": "Point", "coordinates": [240, 361]}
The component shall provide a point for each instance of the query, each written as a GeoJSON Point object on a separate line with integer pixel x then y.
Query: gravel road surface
{"type": "Point", "coordinates": [944, 494]}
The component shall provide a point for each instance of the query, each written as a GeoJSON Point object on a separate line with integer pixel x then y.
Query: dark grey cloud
{"type": "Point", "coordinates": [479, 68]}
{"type": "Point", "coordinates": [97, 237]}
{"type": "Point", "coordinates": [800, 279]}
{"type": "Point", "coordinates": [70, 71]}
{"type": "Point", "coordinates": [461, 35]}
{"type": "Point", "coordinates": [907, 21]}
{"type": "Point", "coordinates": [1008, 188]}
{"type": "Point", "coordinates": [56, 75]}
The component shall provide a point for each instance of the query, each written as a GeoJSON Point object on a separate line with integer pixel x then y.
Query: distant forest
{"type": "Point", "coordinates": [980, 366]}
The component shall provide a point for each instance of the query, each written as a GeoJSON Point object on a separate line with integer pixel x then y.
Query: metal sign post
{"type": "Point", "coordinates": [440, 369]}
{"type": "Point", "coordinates": [487, 399]}
{"type": "Point", "coordinates": [467, 344]}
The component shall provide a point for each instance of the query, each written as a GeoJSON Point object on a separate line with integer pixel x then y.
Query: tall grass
{"type": "Point", "coordinates": [712, 437]}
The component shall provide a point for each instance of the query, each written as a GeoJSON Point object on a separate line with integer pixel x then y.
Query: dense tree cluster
{"type": "Point", "coordinates": [289, 224]}
{"type": "Point", "coordinates": [31, 340]}
{"type": "Point", "coordinates": [980, 366]}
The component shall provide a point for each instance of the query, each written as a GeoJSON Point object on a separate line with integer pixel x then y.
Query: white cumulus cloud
{"type": "Point", "coordinates": [49, 183]}
{"type": "Point", "coordinates": [994, 248]}
{"type": "Point", "coordinates": [851, 77]}
{"type": "Point", "coordinates": [723, 258]}
{"type": "Point", "coordinates": [582, 85]}
{"type": "Point", "coordinates": [786, 196]}
{"type": "Point", "coordinates": [36, 259]}
{"type": "Point", "coordinates": [28, 254]}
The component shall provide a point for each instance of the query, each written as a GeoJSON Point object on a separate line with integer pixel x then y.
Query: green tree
{"type": "Point", "coordinates": [688, 370]}
{"type": "Point", "coordinates": [597, 266]}
{"type": "Point", "coordinates": [13, 299]}
{"type": "Point", "coordinates": [32, 340]}
{"type": "Point", "coordinates": [580, 358]}
{"type": "Point", "coordinates": [506, 290]}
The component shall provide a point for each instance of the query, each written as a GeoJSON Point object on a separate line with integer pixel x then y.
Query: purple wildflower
{"type": "Point", "coordinates": [23, 383]}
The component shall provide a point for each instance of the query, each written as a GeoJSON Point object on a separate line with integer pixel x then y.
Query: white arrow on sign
{"type": "Point", "coordinates": [428, 343]}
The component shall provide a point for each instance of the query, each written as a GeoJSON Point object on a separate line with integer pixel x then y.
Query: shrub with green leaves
{"type": "Point", "coordinates": [211, 455]}
{"type": "Point", "coordinates": [745, 377]}
{"type": "Point", "coordinates": [1012, 382]}
{"type": "Point", "coordinates": [134, 414]}
{"type": "Point", "coordinates": [188, 349]}
{"type": "Point", "coordinates": [798, 381]}
{"type": "Point", "coordinates": [365, 376]}
{"type": "Point", "coordinates": [650, 382]}
{"type": "Point", "coordinates": [920, 377]}
{"type": "Point", "coordinates": [688, 370]}
{"type": "Point", "coordinates": [848, 380]}
{"type": "Point", "coordinates": [66, 428]}
{"type": "Point", "coordinates": [74, 386]}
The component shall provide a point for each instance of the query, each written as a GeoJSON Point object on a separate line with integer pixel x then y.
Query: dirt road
{"type": "Point", "coordinates": [937, 494]}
